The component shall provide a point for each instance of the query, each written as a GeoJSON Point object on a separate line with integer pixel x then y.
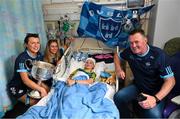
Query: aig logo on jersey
{"type": "Point", "coordinates": [109, 28]}
{"type": "Point", "coordinates": [152, 57]}
{"type": "Point", "coordinates": [148, 63]}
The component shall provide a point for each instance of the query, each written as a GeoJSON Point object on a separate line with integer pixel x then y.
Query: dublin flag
{"type": "Point", "coordinates": [110, 26]}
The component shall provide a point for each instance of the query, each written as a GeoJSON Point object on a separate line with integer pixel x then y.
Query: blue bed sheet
{"type": "Point", "coordinates": [76, 102]}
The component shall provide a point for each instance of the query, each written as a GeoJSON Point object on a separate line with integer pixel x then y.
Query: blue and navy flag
{"type": "Point", "coordinates": [109, 25]}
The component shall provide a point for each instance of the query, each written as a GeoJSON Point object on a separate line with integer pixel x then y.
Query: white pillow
{"type": "Point", "coordinates": [99, 67]}
{"type": "Point", "coordinates": [110, 67]}
{"type": "Point", "coordinates": [74, 64]}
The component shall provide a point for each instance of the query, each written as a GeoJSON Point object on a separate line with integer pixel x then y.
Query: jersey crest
{"type": "Point", "coordinates": [109, 28]}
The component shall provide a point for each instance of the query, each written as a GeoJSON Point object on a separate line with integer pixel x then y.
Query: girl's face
{"type": "Point", "coordinates": [89, 65]}
{"type": "Point", "coordinates": [53, 48]}
{"type": "Point", "coordinates": [33, 45]}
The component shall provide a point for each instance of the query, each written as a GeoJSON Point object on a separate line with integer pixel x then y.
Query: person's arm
{"type": "Point", "coordinates": [151, 101]}
{"type": "Point", "coordinates": [91, 79]}
{"type": "Point", "coordinates": [31, 84]}
{"type": "Point", "coordinates": [70, 81]}
{"type": "Point", "coordinates": [167, 74]}
{"type": "Point", "coordinates": [119, 71]}
{"type": "Point", "coordinates": [88, 81]}
{"type": "Point", "coordinates": [166, 87]}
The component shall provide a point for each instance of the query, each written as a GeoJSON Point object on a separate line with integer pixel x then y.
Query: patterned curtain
{"type": "Point", "coordinates": [17, 17]}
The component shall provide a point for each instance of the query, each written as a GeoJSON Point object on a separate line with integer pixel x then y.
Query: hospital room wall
{"type": "Point", "coordinates": [88, 43]}
{"type": "Point", "coordinates": [165, 22]}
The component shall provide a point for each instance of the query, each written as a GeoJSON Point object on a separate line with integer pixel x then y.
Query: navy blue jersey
{"type": "Point", "coordinates": [149, 70]}
{"type": "Point", "coordinates": [21, 67]}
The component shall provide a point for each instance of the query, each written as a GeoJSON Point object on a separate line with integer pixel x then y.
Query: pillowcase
{"type": "Point", "coordinates": [74, 64]}
{"type": "Point", "coordinates": [110, 67]}
{"type": "Point", "coordinates": [99, 67]}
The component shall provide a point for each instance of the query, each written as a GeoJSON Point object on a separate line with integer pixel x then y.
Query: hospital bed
{"type": "Point", "coordinates": [74, 58]}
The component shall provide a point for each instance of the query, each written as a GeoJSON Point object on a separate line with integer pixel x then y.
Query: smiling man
{"type": "Point", "coordinates": [153, 77]}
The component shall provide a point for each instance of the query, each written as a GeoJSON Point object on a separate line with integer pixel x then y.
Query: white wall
{"type": "Point", "coordinates": [167, 22]}
{"type": "Point", "coordinates": [54, 9]}
{"type": "Point", "coordinates": [164, 22]}
{"type": "Point", "coordinates": [88, 43]}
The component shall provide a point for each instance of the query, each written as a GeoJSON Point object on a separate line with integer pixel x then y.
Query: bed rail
{"type": "Point", "coordinates": [95, 50]}
{"type": "Point", "coordinates": [62, 67]}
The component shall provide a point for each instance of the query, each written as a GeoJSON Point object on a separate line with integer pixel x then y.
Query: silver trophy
{"type": "Point", "coordinates": [40, 71]}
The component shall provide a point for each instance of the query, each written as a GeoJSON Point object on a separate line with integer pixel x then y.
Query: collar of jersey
{"type": "Point", "coordinates": [145, 52]}
{"type": "Point", "coordinates": [30, 54]}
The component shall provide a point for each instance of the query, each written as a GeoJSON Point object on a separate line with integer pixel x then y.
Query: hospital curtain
{"type": "Point", "coordinates": [17, 17]}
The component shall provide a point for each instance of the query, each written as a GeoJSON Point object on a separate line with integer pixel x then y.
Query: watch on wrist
{"type": "Point", "coordinates": [157, 100]}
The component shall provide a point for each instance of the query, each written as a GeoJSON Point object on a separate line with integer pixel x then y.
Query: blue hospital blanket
{"type": "Point", "coordinates": [75, 102]}
{"type": "Point", "coordinates": [108, 25]}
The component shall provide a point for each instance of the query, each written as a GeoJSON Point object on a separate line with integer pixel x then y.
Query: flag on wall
{"type": "Point", "coordinates": [109, 25]}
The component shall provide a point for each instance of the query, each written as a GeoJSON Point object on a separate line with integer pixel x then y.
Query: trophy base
{"type": "Point", "coordinates": [34, 94]}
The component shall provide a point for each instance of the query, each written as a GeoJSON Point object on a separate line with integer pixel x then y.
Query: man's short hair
{"type": "Point", "coordinates": [141, 31]}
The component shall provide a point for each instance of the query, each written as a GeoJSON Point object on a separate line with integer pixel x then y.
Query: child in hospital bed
{"type": "Point", "coordinates": [77, 101]}
{"type": "Point", "coordinates": [83, 76]}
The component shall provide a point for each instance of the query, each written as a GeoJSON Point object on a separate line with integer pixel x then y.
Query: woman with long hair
{"type": "Point", "coordinates": [52, 52]}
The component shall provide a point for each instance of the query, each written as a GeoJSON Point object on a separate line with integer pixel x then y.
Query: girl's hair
{"type": "Point", "coordinates": [47, 53]}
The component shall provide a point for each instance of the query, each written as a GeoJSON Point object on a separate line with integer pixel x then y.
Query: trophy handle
{"type": "Point", "coordinates": [56, 70]}
{"type": "Point", "coordinates": [29, 64]}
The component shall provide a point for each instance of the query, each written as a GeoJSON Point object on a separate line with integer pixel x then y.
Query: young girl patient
{"type": "Point", "coordinates": [83, 76]}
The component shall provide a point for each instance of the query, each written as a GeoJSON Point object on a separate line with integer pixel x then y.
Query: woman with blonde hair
{"type": "Point", "coordinates": [52, 52]}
